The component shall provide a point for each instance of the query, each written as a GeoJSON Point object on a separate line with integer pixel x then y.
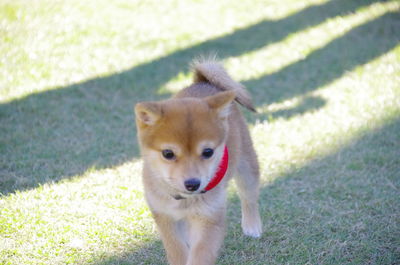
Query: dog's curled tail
{"type": "Point", "coordinates": [215, 74]}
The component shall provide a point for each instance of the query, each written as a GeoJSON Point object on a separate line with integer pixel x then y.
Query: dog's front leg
{"type": "Point", "coordinates": [206, 237]}
{"type": "Point", "coordinates": [172, 238]}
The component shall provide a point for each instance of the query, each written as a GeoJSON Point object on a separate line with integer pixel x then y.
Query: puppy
{"type": "Point", "coordinates": [192, 144]}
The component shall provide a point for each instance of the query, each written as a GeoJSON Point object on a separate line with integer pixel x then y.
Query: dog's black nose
{"type": "Point", "coordinates": [192, 184]}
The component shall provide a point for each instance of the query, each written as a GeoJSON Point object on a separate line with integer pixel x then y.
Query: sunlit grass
{"type": "Point", "coordinates": [274, 57]}
{"type": "Point", "coordinates": [48, 44]}
{"type": "Point", "coordinates": [80, 220]}
{"type": "Point", "coordinates": [329, 153]}
{"type": "Point", "coordinates": [355, 104]}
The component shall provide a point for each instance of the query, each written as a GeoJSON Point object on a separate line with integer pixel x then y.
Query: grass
{"type": "Point", "coordinates": [325, 77]}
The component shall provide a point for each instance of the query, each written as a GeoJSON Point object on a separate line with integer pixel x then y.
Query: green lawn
{"type": "Point", "coordinates": [325, 77]}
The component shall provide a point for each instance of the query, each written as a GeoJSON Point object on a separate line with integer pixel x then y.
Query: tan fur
{"type": "Point", "coordinates": [214, 73]}
{"type": "Point", "coordinates": [203, 115]}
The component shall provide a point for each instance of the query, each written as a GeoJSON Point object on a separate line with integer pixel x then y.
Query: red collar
{"type": "Point", "coordinates": [219, 175]}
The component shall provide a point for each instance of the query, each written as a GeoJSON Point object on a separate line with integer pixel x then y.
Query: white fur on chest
{"type": "Point", "coordinates": [199, 205]}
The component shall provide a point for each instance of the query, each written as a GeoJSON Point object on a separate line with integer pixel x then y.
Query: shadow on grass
{"type": "Point", "coordinates": [61, 133]}
{"type": "Point", "coordinates": [338, 209]}
{"type": "Point", "coordinates": [357, 47]}
{"type": "Point", "coordinates": [320, 213]}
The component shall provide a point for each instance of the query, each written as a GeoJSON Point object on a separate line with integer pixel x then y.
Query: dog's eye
{"type": "Point", "coordinates": [207, 153]}
{"type": "Point", "coordinates": [168, 154]}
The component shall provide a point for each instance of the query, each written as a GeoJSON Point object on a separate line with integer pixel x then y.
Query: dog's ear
{"type": "Point", "coordinates": [148, 113]}
{"type": "Point", "coordinates": [221, 102]}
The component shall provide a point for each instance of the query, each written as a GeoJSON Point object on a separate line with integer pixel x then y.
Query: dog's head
{"type": "Point", "coordinates": [182, 139]}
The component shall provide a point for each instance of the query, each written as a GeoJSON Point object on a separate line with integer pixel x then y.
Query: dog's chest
{"type": "Point", "coordinates": [180, 209]}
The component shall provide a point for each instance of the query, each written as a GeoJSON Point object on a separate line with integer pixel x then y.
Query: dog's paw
{"type": "Point", "coordinates": [252, 231]}
{"type": "Point", "coordinates": [252, 227]}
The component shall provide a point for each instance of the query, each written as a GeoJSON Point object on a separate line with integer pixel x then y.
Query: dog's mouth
{"type": "Point", "coordinates": [178, 197]}
{"type": "Point", "coordinates": [182, 196]}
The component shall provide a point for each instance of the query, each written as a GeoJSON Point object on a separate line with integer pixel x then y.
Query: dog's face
{"type": "Point", "coordinates": [182, 140]}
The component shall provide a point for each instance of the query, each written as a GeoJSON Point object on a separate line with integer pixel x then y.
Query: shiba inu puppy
{"type": "Point", "coordinates": [192, 144]}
